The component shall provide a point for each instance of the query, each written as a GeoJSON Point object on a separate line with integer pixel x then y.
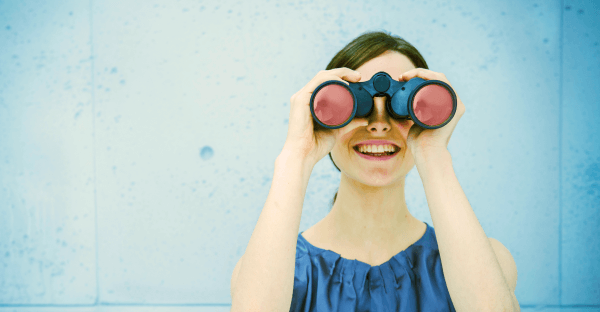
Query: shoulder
{"type": "Point", "coordinates": [301, 247]}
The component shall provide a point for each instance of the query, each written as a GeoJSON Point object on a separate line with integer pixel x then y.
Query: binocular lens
{"type": "Point", "coordinates": [433, 104]}
{"type": "Point", "coordinates": [333, 105]}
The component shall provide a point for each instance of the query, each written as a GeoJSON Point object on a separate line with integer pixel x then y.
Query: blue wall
{"type": "Point", "coordinates": [137, 139]}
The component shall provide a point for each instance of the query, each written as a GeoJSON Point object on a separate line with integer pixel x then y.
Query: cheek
{"type": "Point", "coordinates": [346, 133]}
{"type": "Point", "coordinates": [404, 124]}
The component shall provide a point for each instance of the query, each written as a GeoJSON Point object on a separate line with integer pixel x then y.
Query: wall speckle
{"type": "Point", "coordinates": [206, 153]}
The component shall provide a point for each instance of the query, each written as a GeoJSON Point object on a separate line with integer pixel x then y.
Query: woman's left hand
{"type": "Point", "coordinates": [420, 139]}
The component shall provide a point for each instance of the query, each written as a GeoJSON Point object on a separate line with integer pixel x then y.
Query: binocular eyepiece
{"type": "Point", "coordinates": [431, 104]}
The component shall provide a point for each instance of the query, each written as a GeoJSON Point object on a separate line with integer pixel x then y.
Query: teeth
{"type": "Point", "coordinates": [377, 149]}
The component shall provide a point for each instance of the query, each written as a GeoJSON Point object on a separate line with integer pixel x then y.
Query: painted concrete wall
{"type": "Point", "coordinates": [138, 139]}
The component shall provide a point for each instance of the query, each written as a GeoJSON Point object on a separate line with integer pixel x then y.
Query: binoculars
{"type": "Point", "coordinates": [431, 104]}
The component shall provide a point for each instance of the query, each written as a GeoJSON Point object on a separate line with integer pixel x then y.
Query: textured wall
{"type": "Point", "coordinates": [137, 139]}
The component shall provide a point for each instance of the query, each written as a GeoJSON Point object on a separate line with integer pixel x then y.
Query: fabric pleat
{"type": "Point", "coordinates": [412, 280]}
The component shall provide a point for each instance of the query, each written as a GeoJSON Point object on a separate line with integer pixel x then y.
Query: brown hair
{"type": "Point", "coordinates": [368, 46]}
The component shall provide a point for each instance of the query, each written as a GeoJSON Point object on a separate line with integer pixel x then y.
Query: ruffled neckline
{"type": "Point", "coordinates": [322, 275]}
{"type": "Point", "coordinates": [405, 254]}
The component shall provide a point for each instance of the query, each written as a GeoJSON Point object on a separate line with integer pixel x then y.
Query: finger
{"type": "Point", "coordinates": [346, 73]}
{"type": "Point", "coordinates": [419, 72]}
{"type": "Point", "coordinates": [308, 90]}
{"type": "Point", "coordinates": [338, 74]}
{"type": "Point", "coordinates": [342, 74]}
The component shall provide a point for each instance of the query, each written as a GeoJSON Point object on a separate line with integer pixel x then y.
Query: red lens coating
{"type": "Point", "coordinates": [433, 104]}
{"type": "Point", "coordinates": [333, 105]}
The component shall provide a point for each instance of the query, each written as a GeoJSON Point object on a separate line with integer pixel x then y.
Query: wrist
{"type": "Point", "coordinates": [429, 154]}
{"type": "Point", "coordinates": [290, 155]}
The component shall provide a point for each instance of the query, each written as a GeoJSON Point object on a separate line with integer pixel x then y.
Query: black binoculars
{"type": "Point", "coordinates": [431, 104]}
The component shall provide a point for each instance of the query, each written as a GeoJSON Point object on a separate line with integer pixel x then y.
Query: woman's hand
{"type": "Point", "coordinates": [307, 139]}
{"type": "Point", "coordinates": [420, 139]}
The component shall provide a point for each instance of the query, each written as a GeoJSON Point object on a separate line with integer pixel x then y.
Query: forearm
{"type": "Point", "coordinates": [266, 277]}
{"type": "Point", "coordinates": [472, 273]}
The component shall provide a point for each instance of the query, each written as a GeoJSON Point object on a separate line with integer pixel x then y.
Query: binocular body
{"type": "Point", "coordinates": [431, 104]}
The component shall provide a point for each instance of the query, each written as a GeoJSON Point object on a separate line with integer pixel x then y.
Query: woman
{"type": "Point", "coordinates": [369, 253]}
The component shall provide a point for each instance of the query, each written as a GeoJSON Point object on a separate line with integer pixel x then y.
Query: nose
{"type": "Point", "coordinates": [379, 119]}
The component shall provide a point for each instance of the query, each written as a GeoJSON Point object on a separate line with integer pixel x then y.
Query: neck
{"type": "Point", "coordinates": [364, 214]}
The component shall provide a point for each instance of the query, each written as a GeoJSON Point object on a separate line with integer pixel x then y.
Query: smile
{"type": "Point", "coordinates": [377, 156]}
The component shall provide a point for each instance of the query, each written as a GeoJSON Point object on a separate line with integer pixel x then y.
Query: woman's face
{"type": "Point", "coordinates": [379, 125]}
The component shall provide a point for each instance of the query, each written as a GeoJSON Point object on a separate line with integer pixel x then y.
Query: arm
{"type": "Point", "coordinates": [472, 272]}
{"type": "Point", "coordinates": [265, 280]}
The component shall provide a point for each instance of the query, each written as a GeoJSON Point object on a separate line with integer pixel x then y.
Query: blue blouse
{"type": "Point", "coordinates": [412, 280]}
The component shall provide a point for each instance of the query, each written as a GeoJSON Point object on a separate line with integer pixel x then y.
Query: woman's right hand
{"type": "Point", "coordinates": [309, 140]}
